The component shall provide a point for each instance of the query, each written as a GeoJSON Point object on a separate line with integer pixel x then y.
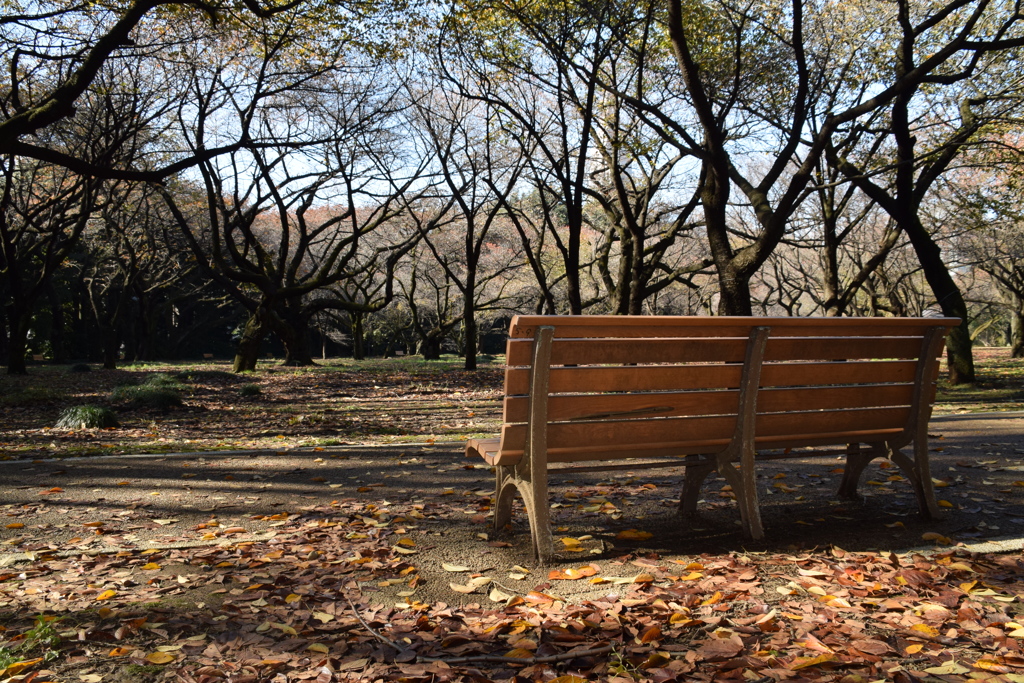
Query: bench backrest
{"type": "Point", "coordinates": [652, 385]}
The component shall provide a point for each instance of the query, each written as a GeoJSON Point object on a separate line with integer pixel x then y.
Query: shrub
{"type": "Point", "coordinates": [86, 417]}
{"type": "Point", "coordinates": [147, 396]}
{"type": "Point", "coordinates": [80, 367]}
{"type": "Point", "coordinates": [250, 390]}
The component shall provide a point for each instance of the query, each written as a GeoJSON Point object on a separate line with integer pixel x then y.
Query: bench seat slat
{"type": "Point", "coordinates": [668, 377]}
{"type": "Point", "coordinates": [600, 326]}
{"type": "Point", "coordinates": [712, 349]}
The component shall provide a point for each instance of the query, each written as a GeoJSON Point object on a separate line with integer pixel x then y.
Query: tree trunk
{"type": "Point", "coordinates": [950, 299]}
{"type": "Point", "coordinates": [469, 329]}
{"type": "Point", "coordinates": [1017, 333]}
{"type": "Point", "coordinates": [293, 331]}
{"type": "Point", "coordinates": [734, 293]}
{"type": "Point", "coordinates": [17, 340]}
{"type": "Point", "coordinates": [358, 337]}
{"type": "Point", "coordinates": [248, 352]}
{"type": "Point", "coordinates": [111, 346]}
{"type": "Point", "coordinates": [57, 326]}
{"type": "Point", "coordinates": [430, 347]}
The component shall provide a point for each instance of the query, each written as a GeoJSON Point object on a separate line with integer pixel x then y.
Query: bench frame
{"type": "Point", "coordinates": [735, 462]}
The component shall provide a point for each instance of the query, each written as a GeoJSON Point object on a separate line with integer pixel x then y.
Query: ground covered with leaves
{"type": "Point", "coordinates": [308, 561]}
{"type": "Point", "coordinates": [339, 402]}
{"type": "Point", "coordinates": [380, 564]}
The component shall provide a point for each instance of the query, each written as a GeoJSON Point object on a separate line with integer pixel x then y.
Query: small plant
{"type": "Point", "coordinates": [80, 367]}
{"type": "Point", "coordinates": [250, 390]}
{"type": "Point", "coordinates": [163, 380]}
{"type": "Point", "coordinates": [86, 417]}
{"type": "Point", "coordinates": [42, 640]}
{"type": "Point", "coordinates": [146, 396]}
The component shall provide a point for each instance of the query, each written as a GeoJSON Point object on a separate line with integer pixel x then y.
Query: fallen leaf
{"type": "Point", "coordinates": [633, 535]}
{"type": "Point", "coordinates": [159, 657]}
{"type": "Point", "coordinates": [454, 567]}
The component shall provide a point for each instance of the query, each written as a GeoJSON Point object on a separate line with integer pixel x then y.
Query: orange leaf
{"type": "Point", "coordinates": [16, 525]}
{"type": "Point", "coordinates": [519, 653]}
{"type": "Point", "coordinates": [633, 535]}
{"type": "Point", "coordinates": [573, 574]}
{"type": "Point", "coordinates": [713, 599]}
{"type": "Point", "coordinates": [119, 652]}
{"type": "Point", "coordinates": [650, 634]}
{"type": "Point", "coordinates": [914, 648]}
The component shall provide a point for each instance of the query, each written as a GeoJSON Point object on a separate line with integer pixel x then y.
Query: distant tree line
{"type": "Point", "coordinates": [384, 177]}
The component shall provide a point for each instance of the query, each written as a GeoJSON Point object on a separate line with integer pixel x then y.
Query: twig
{"type": "Point", "coordinates": [500, 659]}
{"type": "Point", "coordinates": [374, 633]}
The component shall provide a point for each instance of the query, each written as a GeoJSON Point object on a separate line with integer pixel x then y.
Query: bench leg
{"type": "Point", "coordinates": [504, 491]}
{"type": "Point", "coordinates": [693, 478]}
{"type": "Point", "coordinates": [919, 473]}
{"type": "Point", "coordinates": [857, 460]}
{"type": "Point", "coordinates": [746, 500]}
{"type": "Point", "coordinates": [535, 497]}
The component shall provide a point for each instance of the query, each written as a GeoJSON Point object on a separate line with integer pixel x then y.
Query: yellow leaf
{"type": "Point", "coordinates": [914, 648]}
{"type": "Point", "coordinates": [570, 542]}
{"type": "Point", "coordinates": [926, 629]}
{"type": "Point", "coordinates": [292, 597]}
{"type": "Point", "coordinates": [806, 662]}
{"type": "Point", "coordinates": [679, 618]}
{"type": "Point", "coordinates": [150, 566]}
{"type": "Point", "coordinates": [692, 576]}
{"type": "Point", "coordinates": [285, 628]}
{"type": "Point", "coordinates": [106, 595]}
{"type": "Point", "coordinates": [633, 535]}
{"type": "Point", "coordinates": [713, 599]}
{"type": "Point", "coordinates": [160, 657]}
{"type": "Point", "coordinates": [568, 679]}
{"type": "Point", "coordinates": [453, 567]}
{"type": "Point", "coordinates": [318, 647]}
{"type": "Point", "coordinates": [945, 504]}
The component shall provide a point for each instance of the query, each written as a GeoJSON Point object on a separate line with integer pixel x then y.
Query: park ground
{"type": "Point", "coordinates": [332, 530]}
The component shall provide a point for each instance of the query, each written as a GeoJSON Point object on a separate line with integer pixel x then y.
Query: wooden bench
{"type": "Point", "coordinates": [713, 393]}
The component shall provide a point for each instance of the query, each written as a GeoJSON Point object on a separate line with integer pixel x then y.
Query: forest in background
{"type": "Point", "coordinates": [383, 177]}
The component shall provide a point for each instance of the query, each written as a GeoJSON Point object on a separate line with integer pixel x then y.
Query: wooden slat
{"type": "Point", "coordinates": [606, 351]}
{"type": "Point", "coordinates": [854, 372]}
{"type": "Point", "coordinates": [682, 377]}
{"type": "Point", "coordinates": [629, 433]}
{"type": "Point", "coordinates": [645, 405]}
{"type": "Point", "coordinates": [721, 326]}
{"type": "Point", "coordinates": [831, 398]}
{"type": "Point", "coordinates": [627, 406]}
{"type": "Point", "coordinates": [713, 349]}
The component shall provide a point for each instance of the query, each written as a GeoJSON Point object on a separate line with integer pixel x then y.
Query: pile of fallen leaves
{"type": "Point", "coordinates": [331, 595]}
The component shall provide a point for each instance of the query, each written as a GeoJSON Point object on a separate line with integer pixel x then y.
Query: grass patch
{"type": "Point", "coordinates": [145, 396]}
{"type": "Point", "coordinates": [250, 390]}
{"type": "Point", "coordinates": [86, 417]}
{"type": "Point", "coordinates": [42, 640]}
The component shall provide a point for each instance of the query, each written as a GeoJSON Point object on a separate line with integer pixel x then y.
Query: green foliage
{"type": "Point", "coordinates": [42, 640]}
{"type": "Point", "coordinates": [86, 417]}
{"type": "Point", "coordinates": [250, 390]}
{"type": "Point", "coordinates": [164, 380]}
{"type": "Point", "coordinates": [146, 396]}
